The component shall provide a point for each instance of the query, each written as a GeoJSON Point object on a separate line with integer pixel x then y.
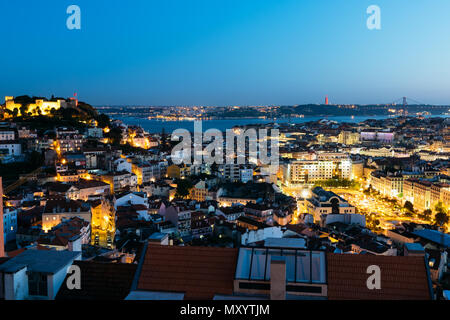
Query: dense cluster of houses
{"type": "Point", "coordinates": [140, 226]}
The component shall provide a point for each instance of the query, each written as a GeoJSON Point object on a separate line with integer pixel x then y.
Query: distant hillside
{"type": "Point", "coordinates": [88, 109]}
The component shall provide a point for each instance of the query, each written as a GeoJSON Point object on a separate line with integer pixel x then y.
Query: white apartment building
{"type": "Point", "coordinates": [389, 186]}
{"type": "Point", "coordinates": [10, 148]}
{"type": "Point", "coordinates": [7, 135]}
{"type": "Point", "coordinates": [236, 172]}
{"type": "Point", "coordinates": [306, 171]}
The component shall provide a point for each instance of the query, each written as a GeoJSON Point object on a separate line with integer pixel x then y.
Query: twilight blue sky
{"type": "Point", "coordinates": [226, 52]}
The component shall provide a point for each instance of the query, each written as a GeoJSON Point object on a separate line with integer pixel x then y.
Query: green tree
{"type": "Point", "coordinates": [426, 215]}
{"type": "Point", "coordinates": [103, 121]}
{"type": "Point", "coordinates": [440, 207]}
{"type": "Point", "coordinates": [409, 206]}
{"type": "Point", "coordinates": [214, 168]}
{"type": "Point", "coordinates": [23, 109]}
{"type": "Point", "coordinates": [184, 187]}
{"type": "Point", "coordinates": [115, 135]}
{"type": "Point", "coordinates": [441, 218]}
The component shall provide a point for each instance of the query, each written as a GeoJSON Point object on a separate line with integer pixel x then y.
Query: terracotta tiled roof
{"type": "Point", "coordinates": [15, 253]}
{"type": "Point", "coordinates": [199, 272]}
{"type": "Point", "coordinates": [63, 206]}
{"type": "Point", "coordinates": [100, 281]}
{"type": "Point", "coordinates": [402, 278]}
{"type": "Point", "coordinates": [86, 184]}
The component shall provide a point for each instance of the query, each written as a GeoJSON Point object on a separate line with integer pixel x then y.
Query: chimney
{"type": "Point", "coordinates": [277, 278]}
{"type": "Point", "coordinates": [2, 236]}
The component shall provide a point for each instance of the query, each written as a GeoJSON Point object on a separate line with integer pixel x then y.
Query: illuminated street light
{"type": "Point", "coordinates": [306, 193]}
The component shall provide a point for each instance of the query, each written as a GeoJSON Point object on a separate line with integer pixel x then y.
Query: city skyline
{"type": "Point", "coordinates": [227, 53]}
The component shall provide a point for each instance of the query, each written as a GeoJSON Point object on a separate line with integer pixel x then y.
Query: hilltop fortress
{"type": "Point", "coordinates": [25, 105]}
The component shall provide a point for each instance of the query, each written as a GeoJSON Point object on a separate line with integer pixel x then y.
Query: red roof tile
{"type": "Point", "coordinates": [14, 253]}
{"type": "Point", "coordinates": [402, 278]}
{"type": "Point", "coordinates": [199, 272]}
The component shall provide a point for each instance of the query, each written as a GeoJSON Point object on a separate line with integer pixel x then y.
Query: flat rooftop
{"type": "Point", "coordinates": [48, 262]}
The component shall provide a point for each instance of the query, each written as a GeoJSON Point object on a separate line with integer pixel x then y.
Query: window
{"type": "Point", "coordinates": [301, 265]}
{"type": "Point", "coordinates": [37, 284]}
{"type": "Point", "coordinates": [318, 268]}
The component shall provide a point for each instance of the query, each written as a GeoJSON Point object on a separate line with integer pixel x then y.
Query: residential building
{"type": "Point", "coordinates": [103, 223]}
{"type": "Point", "coordinates": [131, 198]}
{"type": "Point", "coordinates": [83, 189]}
{"type": "Point", "coordinates": [425, 194]}
{"type": "Point", "coordinates": [9, 223]}
{"type": "Point", "coordinates": [378, 136]}
{"type": "Point", "coordinates": [236, 172]}
{"type": "Point", "coordinates": [231, 214]}
{"type": "Point", "coordinates": [199, 192]}
{"type": "Point", "coordinates": [10, 148]}
{"type": "Point", "coordinates": [349, 138]}
{"type": "Point", "coordinates": [309, 171]}
{"type": "Point", "coordinates": [95, 132]}
{"type": "Point", "coordinates": [118, 180]}
{"type": "Point", "coordinates": [69, 235]}
{"type": "Point", "coordinates": [277, 273]}
{"type": "Point", "coordinates": [7, 135]}
{"type": "Point", "coordinates": [258, 212]}
{"type": "Point", "coordinates": [325, 202]}
{"type": "Point", "coordinates": [388, 185]}
{"type": "Point", "coordinates": [201, 225]}
{"type": "Point", "coordinates": [35, 274]}
{"type": "Point", "coordinates": [57, 210]}
{"type": "Point", "coordinates": [180, 217]}
{"type": "Point", "coordinates": [68, 140]}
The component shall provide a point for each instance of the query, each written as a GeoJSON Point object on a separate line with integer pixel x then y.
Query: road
{"type": "Point", "coordinates": [387, 213]}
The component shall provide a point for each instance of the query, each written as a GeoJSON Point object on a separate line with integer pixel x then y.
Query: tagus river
{"type": "Point", "coordinates": [156, 126]}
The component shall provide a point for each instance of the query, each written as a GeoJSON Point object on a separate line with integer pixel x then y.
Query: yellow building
{"type": "Point", "coordinates": [103, 224]}
{"type": "Point", "coordinates": [388, 186]}
{"type": "Point", "coordinates": [229, 201]}
{"type": "Point", "coordinates": [174, 171]}
{"type": "Point", "coordinates": [138, 170]}
{"type": "Point", "coordinates": [426, 195]}
{"type": "Point", "coordinates": [349, 138]}
{"type": "Point", "coordinates": [357, 169]}
{"type": "Point", "coordinates": [40, 106]}
{"type": "Point", "coordinates": [57, 210]}
{"type": "Point", "coordinates": [199, 192]}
